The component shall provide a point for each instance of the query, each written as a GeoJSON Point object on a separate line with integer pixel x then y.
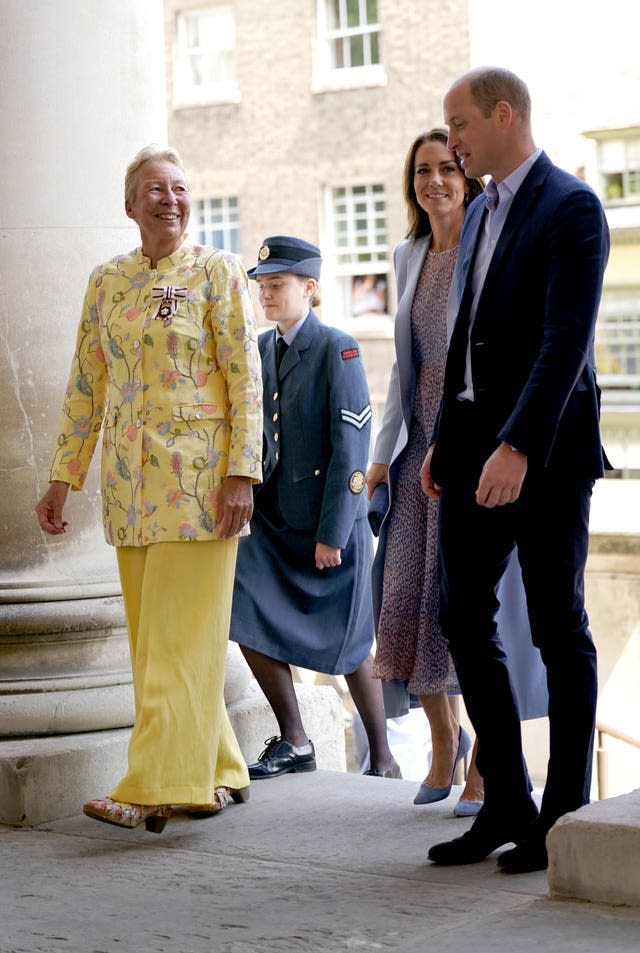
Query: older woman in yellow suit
{"type": "Point", "coordinates": [167, 366]}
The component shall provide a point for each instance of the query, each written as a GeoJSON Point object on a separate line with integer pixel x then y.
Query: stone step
{"type": "Point", "coordinates": [594, 853]}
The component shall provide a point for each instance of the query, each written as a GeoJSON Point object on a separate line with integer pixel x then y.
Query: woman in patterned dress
{"type": "Point", "coordinates": [410, 647]}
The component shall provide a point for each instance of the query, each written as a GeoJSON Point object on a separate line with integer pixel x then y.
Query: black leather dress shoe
{"type": "Point", "coordinates": [280, 757]}
{"type": "Point", "coordinates": [528, 856]}
{"type": "Point", "coordinates": [488, 832]}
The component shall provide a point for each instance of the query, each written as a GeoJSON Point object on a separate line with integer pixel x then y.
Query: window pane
{"type": "Point", "coordinates": [356, 49]}
{"type": "Point", "coordinates": [360, 232]}
{"type": "Point", "coordinates": [353, 13]}
{"type": "Point", "coordinates": [613, 188]}
{"type": "Point", "coordinates": [204, 64]}
{"type": "Point", "coordinates": [368, 294]}
{"type": "Point", "coordinates": [337, 49]}
{"type": "Point", "coordinates": [192, 31]}
{"type": "Point", "coordinates": [618, 338]}
{"type": "Point", "coordinates": [633, 183]}
{"type": "Point", "coordinates": [333, 14]}
{"type": "Point", "coordinates": [372, 11]}
{"type": "Point", "coordinates": [218, 222]}
{"type": "Point", "coordinates": [374, 49]}
{"type": "Point", "coordinates": [611, 155]}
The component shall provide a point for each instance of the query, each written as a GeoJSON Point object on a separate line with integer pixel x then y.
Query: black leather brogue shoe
{"type": "Point", "coordinates": [281, 757]}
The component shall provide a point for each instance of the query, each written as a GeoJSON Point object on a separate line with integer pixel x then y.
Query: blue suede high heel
{"type": "Point", "coordinates": [429, 795]}
{"type": "Point", "coordinates": [467, 808]}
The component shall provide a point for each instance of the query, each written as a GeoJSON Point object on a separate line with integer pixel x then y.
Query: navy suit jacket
{"type": "Point", "coordinates": [317, 429]}
{"type": "Point", "coordinates": [532, 341]}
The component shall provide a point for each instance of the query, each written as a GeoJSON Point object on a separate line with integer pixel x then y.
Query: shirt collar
{"type": "Point", "coordinates": [291, 332]}
{"type": "Point", "coordinates": [510, 185]}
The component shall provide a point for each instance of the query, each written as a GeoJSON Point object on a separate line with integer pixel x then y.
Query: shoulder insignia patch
{"type": "Point", "coordinates": [356, 420]}
{"type": "Point", "coordinates": [349, 353]}
{"type": "Point", "coordinates": [356, 481]}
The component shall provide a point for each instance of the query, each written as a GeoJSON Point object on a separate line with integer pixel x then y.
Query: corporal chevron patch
{"type": "Point", "coordinates": [356, 420]}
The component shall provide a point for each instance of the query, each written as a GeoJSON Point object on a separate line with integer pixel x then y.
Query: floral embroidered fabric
{"type": "Point", "coordinates": [167, 365]}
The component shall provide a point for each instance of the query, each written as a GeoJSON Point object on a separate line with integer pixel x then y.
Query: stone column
{"type": "Point", "coordinates": [84, 89]}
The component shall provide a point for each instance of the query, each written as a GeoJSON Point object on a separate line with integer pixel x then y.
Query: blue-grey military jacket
{"type": "Point", "coordinates": [317, 429]}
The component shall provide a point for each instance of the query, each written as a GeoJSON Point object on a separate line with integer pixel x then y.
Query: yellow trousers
{"type": "Point", "coordinates": [177, 599]}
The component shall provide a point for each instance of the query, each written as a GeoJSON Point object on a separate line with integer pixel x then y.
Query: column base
{"type": "Point", "coordinates": [42, 779]}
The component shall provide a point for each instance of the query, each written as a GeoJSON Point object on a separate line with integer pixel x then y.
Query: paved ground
{"type": "Point", "coordinates": [314, 862]}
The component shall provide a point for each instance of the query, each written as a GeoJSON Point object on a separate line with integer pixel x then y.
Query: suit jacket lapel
{"type": "Point", "coordinates": [473, 223]}
{"type": "Point", "coordinates": [267, 343]}
{"type": "Point", "coordinates": [412, 271]}
{"type": "Point", "coordinates": [460, 296]}
{"type": "Point", "coordinates": [521, 209]}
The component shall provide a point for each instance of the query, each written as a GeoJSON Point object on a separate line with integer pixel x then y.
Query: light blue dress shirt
{"type": "Point", "coordinates": [498, 198]}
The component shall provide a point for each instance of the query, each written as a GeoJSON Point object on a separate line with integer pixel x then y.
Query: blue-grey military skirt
{"type": "Point", "coordinates": [287, 609]}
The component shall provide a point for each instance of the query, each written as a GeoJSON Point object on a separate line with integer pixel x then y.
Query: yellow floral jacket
{"type": "Point", "coordinates": [167, 365]}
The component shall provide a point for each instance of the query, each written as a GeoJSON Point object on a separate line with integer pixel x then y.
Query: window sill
{"type": "Point", "coordinates": [359, 77]}
{"type": "Point", "coordinates": [229, 95]}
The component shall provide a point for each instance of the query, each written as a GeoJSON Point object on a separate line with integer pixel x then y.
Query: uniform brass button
{"type": "Point", "coordinates": [276, 436]}
{"type": "Point", "coordinates": [275, 417]}
{"type": "Point", "coordinates": [275, 396]}
{"type": "Point", "coordinates": [277, 455]}
{"type": "Point", "coordinates": [316, 473]}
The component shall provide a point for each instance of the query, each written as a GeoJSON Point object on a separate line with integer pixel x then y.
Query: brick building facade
{"type": "Point", "coordinates": [295, 117]}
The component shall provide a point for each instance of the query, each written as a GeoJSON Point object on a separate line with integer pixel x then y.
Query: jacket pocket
{"type": "Point", "coordinates": [303, 470]}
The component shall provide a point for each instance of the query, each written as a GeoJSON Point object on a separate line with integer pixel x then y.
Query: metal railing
{"type": "Point", "coordinates": [602, 755]}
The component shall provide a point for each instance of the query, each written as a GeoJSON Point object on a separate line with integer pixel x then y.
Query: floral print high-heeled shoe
{"type": "Point", "coordinates": [221, 798]}
{"type": "Point", "coordinates": [154, 816]}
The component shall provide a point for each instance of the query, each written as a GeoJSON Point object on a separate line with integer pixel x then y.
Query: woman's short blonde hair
{"type": "Point", "coordinates": [152, 151]}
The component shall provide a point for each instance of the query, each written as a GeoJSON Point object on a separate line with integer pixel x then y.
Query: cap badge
{"type": "Point", "coordinates": [264, 253]}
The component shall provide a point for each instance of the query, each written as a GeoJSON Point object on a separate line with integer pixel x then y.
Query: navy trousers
{"type": "Point", "coordinates": [549, 525]}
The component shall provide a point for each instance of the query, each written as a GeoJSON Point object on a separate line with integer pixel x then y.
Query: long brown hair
{"type": "Point", "coordinates": [418, 219]}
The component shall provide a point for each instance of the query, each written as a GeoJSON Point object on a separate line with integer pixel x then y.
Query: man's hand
{"type": "Point", "coordinates": [502, 477]}
{"type": "Point", "coordinates": [327, 556]}
{"type": "Point", "coordinates": [235, 507]}
{"type": "Point", "coordinates": [428, 486]}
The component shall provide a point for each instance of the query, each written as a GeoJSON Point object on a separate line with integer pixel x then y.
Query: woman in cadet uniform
{"type": "Point", "coordinates": [302, 593]}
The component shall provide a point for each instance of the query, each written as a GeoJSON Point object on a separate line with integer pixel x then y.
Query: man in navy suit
{"type": "Point", "coordinates": [515, 452]}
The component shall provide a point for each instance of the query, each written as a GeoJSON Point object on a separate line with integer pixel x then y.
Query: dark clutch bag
{"type": "Point", "coordinates": [378, 506]}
